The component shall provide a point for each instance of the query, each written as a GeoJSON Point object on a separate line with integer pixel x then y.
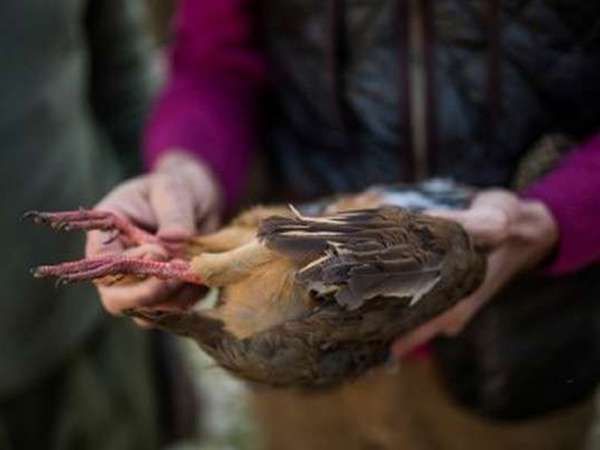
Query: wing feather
{"type": "Point", "coordinates": [359, 255]}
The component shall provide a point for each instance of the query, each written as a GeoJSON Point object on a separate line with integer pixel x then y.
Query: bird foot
{"type": "Point", "coordinates": [87, 220]}
{"type": "Point", "coordinates": [115, 267]}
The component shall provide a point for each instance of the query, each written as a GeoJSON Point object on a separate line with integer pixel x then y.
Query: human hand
{"type": "Point", "coordinates": [179, 199]}
{"type": "Point", "coordinates": [519, 234]}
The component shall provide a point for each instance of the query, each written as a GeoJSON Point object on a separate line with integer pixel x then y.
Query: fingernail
{"type": "Point", "coordinates": [174, 233]}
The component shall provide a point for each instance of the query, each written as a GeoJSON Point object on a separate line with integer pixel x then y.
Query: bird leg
{"type": "Point", "coordinates": [224, 240]}
{"type": "Point", "coordinates": [109, 268]}
{"type": "Point", "coordinates": [114, 267]}
{"type": "Point", "coordinates": [222, 269]}
{"type": "Point", "coordinates": [212, 269]}
{"type": "Point", "coordinates": [89, 219]}
{"type": "Point", "coordinates": [239, 232]}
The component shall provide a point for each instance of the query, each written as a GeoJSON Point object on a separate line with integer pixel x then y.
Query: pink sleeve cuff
{"type": "Point", "coordinates": [572, 193]}
{"type": "Point", "coordinates": [209, 105]}
{"type": "Point", "coordinates": [215, 120]}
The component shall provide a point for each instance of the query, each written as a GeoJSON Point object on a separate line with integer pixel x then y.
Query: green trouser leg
{"type": "Point", "coordinates": [102, 398]}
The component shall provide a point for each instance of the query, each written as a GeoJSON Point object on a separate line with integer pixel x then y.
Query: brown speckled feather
{"type": "Point", "coordinates": [339, 337]}
{"type": "Point", "coordinates": [357, 255]}
{"type": "Point", "coordinates": [305, 301]}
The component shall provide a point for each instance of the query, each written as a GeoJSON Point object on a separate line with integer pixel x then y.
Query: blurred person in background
{"type": "Point", "coordinates": [387, 91]}
{"type": "Point", "coordinates": [75, 84]}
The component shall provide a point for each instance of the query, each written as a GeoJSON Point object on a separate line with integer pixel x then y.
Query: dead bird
{"type": "Point", "coordinates": [305, 300]}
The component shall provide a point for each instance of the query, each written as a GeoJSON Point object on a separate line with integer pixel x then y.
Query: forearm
{"type": "Point", "coordinates": [209, 106]}
{"type": "Point", "coordinates": [213, 119]}
{"type": "Point", "coordinates": [572, 194]}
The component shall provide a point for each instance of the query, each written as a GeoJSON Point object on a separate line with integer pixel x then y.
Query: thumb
{"type": "Point", "coordinates": [488, 226]}
{"type": "Point", "coordinates": [414, 339]}
{"type": "Point", "coordinates": [173, 205]}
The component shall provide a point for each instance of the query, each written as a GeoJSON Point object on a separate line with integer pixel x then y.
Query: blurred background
{"type": "Point", "coordinates": [78, 78]}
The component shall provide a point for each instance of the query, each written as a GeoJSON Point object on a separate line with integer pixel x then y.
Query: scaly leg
{"type": "Point", "coordinates": [224, 240]}
{"type": "Point", "coordinates": [221, 269]}
{"type": "Point", "coordinates": [239, 232]}
{"type": "Point", "coordinates": [118, 266]}
{"type": "Point", "coordinates": [252, 217]}
{"type": "Point", "coordinates": [87, 219]}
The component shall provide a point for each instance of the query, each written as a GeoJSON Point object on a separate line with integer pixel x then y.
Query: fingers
{"type": "Point", "coordinates": [184, 298]}
{"type": "Point", "coordinates": [177, 198]}
{"type": "Point", "coordinates": [210, 223]}
{"type": "Point", "coordinates": [170, 294]}
{"type": "Point", "coordinates": [520, 233]}
{"type": "Point", "coordinates": [99, 243]}
{"type": "Point", "coordinates": [130, 199]}
{"type": "Point", "coordinates": [500, 269]}
{"type": "Point", "coordinates": [167, 295]}
{"type": "Point", "coordinates": [416, 338]}
{"type": "Point", "coordinates": [487, 226]}
{"type": "Point", "coordinates": [201, 181]}
{"type": "Point", "coordinates": [449, 323]}
{"type": "Point", "coordinates": [174, 207]}
{"type": "Point", "coordinates": [117, 298]}
{"type": "Point", "coordinates": [151, 293]}
{"type": "Point", "coordinates": [489, 219]}
{"type": "Point", "coordinates": [174, 200]}
{"type": "Point", "coordinates": [142, 323]}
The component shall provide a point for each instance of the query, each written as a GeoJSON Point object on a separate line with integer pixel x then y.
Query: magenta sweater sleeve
{"type": "Point", "coordinates": [209, 103]}
{"type": "Point", "coordinates": [572, 192]}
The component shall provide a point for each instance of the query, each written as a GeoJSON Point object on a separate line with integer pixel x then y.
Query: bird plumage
{"type": "Point", "coordinates": [315, 300]}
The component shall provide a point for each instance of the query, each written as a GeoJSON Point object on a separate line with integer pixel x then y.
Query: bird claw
{"type": "Point", "coordinates": [153, 316]}
{"type": "Point", "coordinates": [115, 267]}
{"type": "Point", "coordinates": [81, 219]}
{"type": "Point", "coordinates": [91, 219]}
{"type": "Point", "coordinates": [112, 268]}
{"type": "Point", "coordinates": [112, 238]}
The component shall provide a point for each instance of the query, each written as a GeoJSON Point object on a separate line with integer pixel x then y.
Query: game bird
{"type": "Point", "coordinates": [308, 296]}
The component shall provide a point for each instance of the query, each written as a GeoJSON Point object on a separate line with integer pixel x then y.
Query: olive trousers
{"type": "Point", "coordinates": [103, 397]}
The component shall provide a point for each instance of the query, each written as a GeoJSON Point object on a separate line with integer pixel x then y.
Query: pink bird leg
{"type": "Point", "coordinates": [117, 266]}
{"type": "Point", "coordinates": [109, 265]}
{"type": "Point", "coordinates": [89, 219]}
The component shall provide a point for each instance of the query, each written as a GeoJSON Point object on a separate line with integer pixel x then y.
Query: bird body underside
{"type": "Point", "coordinates": [310, 301]}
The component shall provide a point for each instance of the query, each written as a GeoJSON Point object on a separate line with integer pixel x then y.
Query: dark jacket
{"type": "Point", "coordinates": [494, 76]}
{"type": "Point", "coordinates": [498, 75]}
